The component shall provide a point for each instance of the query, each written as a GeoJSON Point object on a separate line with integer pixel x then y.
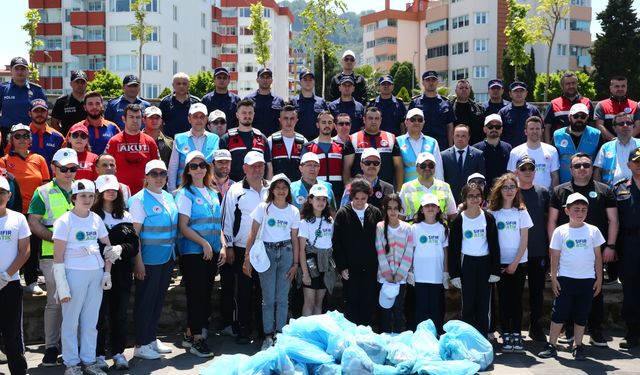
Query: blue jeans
{"type": "Point", "coordinates": [275, 286]}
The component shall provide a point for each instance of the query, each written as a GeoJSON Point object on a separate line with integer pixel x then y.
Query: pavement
{"type": "Point", "coordinates": [599, 360]}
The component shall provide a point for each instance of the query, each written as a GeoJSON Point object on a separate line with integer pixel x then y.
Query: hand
{"type": "Point", "coordinates": [5, 279]}
{"type": "Point", "coordinates": [445, 280]}
{"type": "Point", "coordinates": [597, 287]}
{"type": "Point", "coordinates": [511, 268]}
{"type": "Point", "coordinates": [397, 278]}
{"type": "Point", "coordinates": [112, 253]}
{"type": "Point", "coordinates": [231, 254]}
{"type": "Point", "coordinates": [306, 279]}
{"type": "Point", "coordinates": [609, 255]}
{"type": "Point", "coordinates": [222, 257]}
{"type": "Point", "coordinates": [207, 251]}
{"type": "Point", "coordinates": [345, 274]}
{"type": "Point", "coordinates": [106, 280]}
{"type": "Point", "coordinates": [138, 269]}
{"type": "Point", "coordinates": [389, 278]}
{"type": "Point", "coordinates": [292, 272]}
{"type": "Point", "coordinates": [456, 282]}
{"type": "Point", "coordinates": [494, 278]}
{"type": "Point", "coordinates": [411, 279]}
{"type": "Point", "coordinates": [246, 267]}
{"type": "Point", "coordinates": [555, 287]}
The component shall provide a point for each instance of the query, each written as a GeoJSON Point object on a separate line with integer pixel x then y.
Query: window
{"type": "Point", "coordinates": [226, 30]}
{"type": "Point", "coordinates": [390, 22]}
{"type": "Point", "coordinates": [244, 12]}
{"type": "Point", "coordinates": [578, 51]}
{"type": "Point", "coordinates": [229, 49]}
{"type": "Point", "coordinates": [371, 44]}
{"type": "Point", "coordinates": [455, 1]}
{"type": "Point", "coordinates": [386, 40]}
{"type": "Point", "coordinates": [150, 90]}
{"type": "Point", "coordinates": [383, 58]}
{"type": "Point", "coordinates": [248, 67]}
{"type": "Point", "coordinates": [125, 5]}
{"type": "Point", "coordinates": [50, 15]}
{"type": "Point", "coordinates": [95, 33]}
{"type": "Point", "coordinates": [457, 74]}
{"type": "Point", "coordinates": [175, 40]}
{"type": "Point", "coordinates": [581, 3]}
{"type": "Point", "coordinates": [440, 25]}
{"type": "Point", "coordinates": [562, 25]}
{"type": "Point", "coordinates": [245, 30]}
{"type": "Point", "coordinates": [481, 18]}
{"type": "Point", "coordinates": [481, 97]}
{"type": "Point", "coordinates": [51, 43]}
{"type": "Point", "coordinates": [228, 12]}
{"type": "Point", "coordinates": [229, 65]}
{"type": "Point", "coordinates": [151, 62]}
{"type": "Point", "coordinates": [120, 34]}
{"type": "Point", "coordinates": [175, 12]}
{"type": "Point", "coordinates": [480, 45]}
{"type": "Point", "coordinates": [245, 85]}
{"type": "Point", "coordinates": [91, 62]}
{"type": "Point", "coordinates": [155, 34]}
{"type": "Point", "coordinates": [459, 48]}
{"type": "Point", "coordinates": [458, 22]}
{"type": "Point", "coordinates": [203, 20]}
{"type": "Point", "coordinates": [245, 48]}
{"type": "Point", "coordinates": [579, 25]}
{"type": "Point", "coordinates": [175, 67]}
{"type": "Point", "coordinates": [371, 27]}
{"type": "Point", "coordinates": [95, 5]}
{"type": "Point", "coordinates": [266, 13]}
{"type": "Point", "coordinates": [203, 46]}
{"type": "Point", "coordinates": [437, 51]}
{"type": "Point", "coordinates": [562, 50]}
{"type": "Point", "coordinates": [55, 71]}
{"type": "Point", "coordinates": [123, 63]}
{"type": "Point", "coordinates": [480, 72]}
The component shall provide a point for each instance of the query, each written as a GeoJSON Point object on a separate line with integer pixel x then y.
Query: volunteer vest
{"type": "Point", "coordinates": [330, 165]}
{"type": "Point", "coordinates": [561, 107]}
{"type": "Point", "coordinates": [300, 193]}
{"type": "Point", "coordinates": [384, 142]}
{"type": "Point", "coordinates": [159, 229]}
{"type": "Point", "coordinates": [184, 145]}
{"type": "Point", "coordinates": [611, 107]}
{"type": "Point", "coordinates": [609, 160]}
{"type": "Point", "coordinates": [280, 159]}
{"type": "Point", "coordinates": [55, 204]}
{"type": "Point", "coordinates": [563, 142]}
{"type": "Point", "coordinates": [413, 191]}
{"type": "Point", "coordinates": [236, 144]}
{"type": "Point", "coordinates": [206, 219]}
{"type": "Point", "coordinates": [409, 156]}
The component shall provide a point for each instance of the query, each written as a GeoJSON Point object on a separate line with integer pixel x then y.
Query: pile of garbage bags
{"type": "Point", "coordinates": [329, 344]}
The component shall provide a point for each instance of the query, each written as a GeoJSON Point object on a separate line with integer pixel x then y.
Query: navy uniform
{"type": "Point", "coordinates": [514, 118]}
{"type": "Point", "coordinates": [175, 114]}
{"type": "Point", "coordinates": [353, 108]}
{"type": "Point", "coordinates": [393, 109]}
{"type": "Point", "coordinates": [227, 103]}
{"type": "Point", "coordinates": [15, 101]}
{"type": "Point", "coordinates": [115, 107]}
{"type": "Point", "coordinates": [308, 109]}
{"type": "Point", "coordinates": [267, 108]}
{"type": "Point", "coordinates": [490, 107]}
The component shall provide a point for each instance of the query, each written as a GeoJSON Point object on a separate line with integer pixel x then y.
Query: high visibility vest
{"type": "Point", "coordinates": [159, 229]}
{"type": "Point", "coordinates": [409, 156]}
{"type": "Point", "coordinates": [184, 145]}
{"type": "Point", "coordinates": [55, 204]}
{"type": "Point", "coordinates": [609, 160]}
{"type": "Point", "coordinates": [563, 142]}
{"type": "Point", "coordinates": [206, 220]}
{"type": "Point", "coordinates": [300, 193]}
{"type": "Point", "coordinates": [413, 191]}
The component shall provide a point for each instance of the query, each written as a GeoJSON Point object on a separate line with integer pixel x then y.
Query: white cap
{"type": "Point", "coordinates": [388, 293]}
{"type": "Point", "coordinates": [280, 177]}
{"type": "Point", "coordinates": [575, 197]}
{"type": "Point", "coordinates": [107, 182]}
{"type": "Point", "coordinates": [198, 107]}
{"type": "Point", "coordinates": [20, 126]}
{"type": "Point", "coordinates": [154, 164]}
{"type": "Point", "coordinates": [429, 199]}
{"type": "Point", "coordinates": [424, 156]}
{"type": "Point", "coordinates": [578, 108]}
{"type": "Point", "coordinates": [370, 151]}
{"type": "Point", "coordinates": [152, 111]}
{"type": "Point", "coordinates": [83, 186]}
{"type": "Point", "coordinates": [476, 175]}
{"type": "Point", "coordinates": [4, 183]}
{"type": "Point", "coordinates": [348, 53]}
{"type": "Point", "coordinates": [492, 117]}
{"type": "Point", "coordinates": [319, 190]}
{"type": "Point", "coordinates": [194, 154]}
{"type": "Point", "coordinates": [414, 112]}
{"type": "Point", "coordinates": [216, 114]}
{"type": "Point", "coordinates": [309, 156]}
{"type": "Point", "coordinates": [259, 259]}
{"type": "Point", "coordinates": [253, 157]}
{"type": "Point", "coordinates": [221, 154]}
{"type": "Point", "coordinates": [66, 156]}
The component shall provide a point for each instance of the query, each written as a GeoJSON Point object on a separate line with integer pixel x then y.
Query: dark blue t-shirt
{"type": "Point", "coordinates": [513, 122]}
{"type": "Point", "coordinates": [491, 108]}
{"type": "Point", "coordinates": [268, 109]}
{"type": "Point", "coordinates": [308, 110]}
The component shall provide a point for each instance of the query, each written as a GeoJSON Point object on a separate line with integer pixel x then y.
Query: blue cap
{"type": "Point", "coordinates": [517, 85]}
{"type": "Point", "coordinates": [306, 72]}
{"type": "Point", "coordinates": [384, 79]}
{"type": "Point", "coordinates": [130, 79]}
{"type": "Point", "coordinates": [347, 79]}
{"type": "Point", "coordinates": [221, 70]}
{"type": "Point", "coordinates": [430, 74]}
{"type": "Point", "coordinates": [265, 71]}
{"type": "Point", "coordinates": [495, 82]}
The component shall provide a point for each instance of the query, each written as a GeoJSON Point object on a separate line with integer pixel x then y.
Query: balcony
{"type": "Point", "coordinates": [40, 57]}
{"type": "Point", "coordinates": [41, 4]}
{"type": "Point", "coordinates": [87, 19]}
{"type": "Point", "coordinates": [45, 29]}
{"type": "Point", "coordinates": [218, 39]}
{"type": "Point", "coordinates": [79, 47]}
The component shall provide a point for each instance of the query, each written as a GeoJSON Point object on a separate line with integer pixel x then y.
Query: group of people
{"type": "Point", "coordinates": [399, 203]}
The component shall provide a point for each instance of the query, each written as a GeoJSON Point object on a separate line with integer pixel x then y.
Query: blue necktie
{"type": "Point", "coordinates": [460, 153]}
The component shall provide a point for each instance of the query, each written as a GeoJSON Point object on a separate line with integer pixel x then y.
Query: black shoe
{"type": "Point", "coordinates": [578, 353]}
{"type": "Point", "coordinates": [243, 339]}
{"type": "Point", "coordinates": [597, 339]}
{"type": "Point", "coordinates": [50, 358]}
{"type": "Point", "coordinates": [201, 349]}
{"type": "Point", "coordinates": [549, 351]}
{"type": "Point", "coordinates": [629, 343]}
{"type": "Point", "coordinates": [537, 334]}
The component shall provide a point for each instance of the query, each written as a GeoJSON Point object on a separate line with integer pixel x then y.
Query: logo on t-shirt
{"type": "Point", "coordinates": [578, 244]}
{"type": "Point", "coordinates": [434, 239]}
{"type": "Point", "coordinates": [133, 147]}
{"type": "Point", "coordinates": [271, 222]}
{"type": "Point", "coordinates": [509, 224]}
{"type": "Point", "coordinates": [82, 235]}
{"type": "Point", "coordinates": [477, 233]}
{"type": "Point", "coordinates": [5, 235]}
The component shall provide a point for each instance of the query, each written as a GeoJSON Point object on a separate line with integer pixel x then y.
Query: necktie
{"type": "Point", "coordinates": [460, 153]}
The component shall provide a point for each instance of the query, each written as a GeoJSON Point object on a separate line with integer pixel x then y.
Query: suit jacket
{"type": "Point", "coordinates": [473, 162]}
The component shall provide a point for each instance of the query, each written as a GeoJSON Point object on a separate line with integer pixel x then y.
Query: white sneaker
{"type": "Point", "coordinates": [146, 352]}
{"type": "Point", "coordinates": [102, 363]}
{"type": "Point", "coordinates": [267, 343]}
{"type": "Point", "coordinates": [120, 362]}
{"type": "Point", "coordinates": [34, 289]}
{"type": "Point", "coordinates": [3, 357]}
{"type": "Point", "coordinates": [73, 370]}
{"type": "Point", "coordinates": [159, 347]}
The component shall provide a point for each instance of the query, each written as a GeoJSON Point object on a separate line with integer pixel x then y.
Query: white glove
{"type": "Point", "coordinates": [106, 280]}
{"type": "Point", "coordinates": [112, 253]}
{"type": "Point", "coordinates": [445, 280]}
{"type": "Point", "coordinates": [456, 282]}
{"type": "Point", "coordinates": [5, 279]}
{"type": "Point", "coordinates": [494, 278]}
{"type": "Point", "coordinates": [60, 277]}
{"type": "Point", "coordinates": [411, 279]}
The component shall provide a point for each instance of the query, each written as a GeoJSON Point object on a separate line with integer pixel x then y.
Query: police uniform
{"type": "Point", "coordinates": [267, 110]}
{"type": "Point", "coordinates": [15, 103]}
{"type": "Point", "coordinates": [115, 109]}
{"type": "Point", "coordinates": [308, 110]}
{"type": "Point", "coordinates": [393, 113]}
{"type": "Point", "coordinates": [227, 103]}
{"type": "Point", "coordinates": [360, 91]}
{"type": "Point", "coordinates": [353, 108]}
{"type": "Point", "coordinates": [175, 114]}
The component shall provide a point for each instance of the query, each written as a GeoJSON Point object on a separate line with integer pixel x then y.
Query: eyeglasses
{"type": "Point", "coordinates": [580, 116]}
{"type": "Point", "coordinates": [201, 165]}
{"type": "Point", "coordinates": [369, 163]}
{"type": "Point", "coordinates": [219, 122]}
{"type": "Point", "coordinates": [425, 165]}
{"type": "Point", "coordinates": [343, 123]}
{"type": "Point", "coordinates": [157, 174]}
{"type": "Point", "coordinates": [67, 169]}
{"type": "Point", "coordinates": [527, 169]}
{"type": "Point", "coordinates": [581, 165]}
{"type": "Point", "coordinates": [79, 135]}
{"type": "Point", "coordinates": [491, 127]}
{"type": "Point", "coordinates": [350, 59]}
{"type": "Point", "coordinates": [626, 123]}
{"type": "Point", "coordinates": [508, 187]}
{"type": "Point", "coordinates": [22, 136]}
{"type": "Point", "coordinates": [417, 119]}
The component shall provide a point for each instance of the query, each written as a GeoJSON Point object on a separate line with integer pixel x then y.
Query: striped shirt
{"type": "Point", "coordinates": [400, 256]}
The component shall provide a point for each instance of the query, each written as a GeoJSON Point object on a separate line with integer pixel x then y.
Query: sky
{"type": "Point", "coordinates": [13, 43]}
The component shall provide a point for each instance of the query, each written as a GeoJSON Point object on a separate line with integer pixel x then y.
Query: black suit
{"type": "Point", "coordinates": [473, 162]}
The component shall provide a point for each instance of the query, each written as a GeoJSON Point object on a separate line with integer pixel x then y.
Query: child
{"type": "Point", "coordinates": [430, 234]}
{"type": "Point", "coordinates": [576, 273]}
{"type": "Point", "coordinates": [394, 246]}
{"type": "Point", "coordinates": [513, 223]}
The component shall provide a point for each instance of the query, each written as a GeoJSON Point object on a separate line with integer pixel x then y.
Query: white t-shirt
{"type": "Point", "coordinates": [428, 256]}
{"type": "Point", "coordinates": [547, 161]}
{"type": "Point", "coordinates": [509, 222]}
{"type": "Point", "coordinates": [324, 231]}
{"type": "Point", "coordinates": [278, 223]}
{"type": "Point", "coordinates": [577, 258]}
{"type": "Point", "coordinates": [474, 235]}
{"type": "Point", "coordinates": [137, 208]}
{"type": "Point", "coordinates": [13, 227]}
{"type": "Point", "coordinates": [81, 234]}
{"type": "Point", "coordinates": [360, 214]}
{"type": "Point", "coordinates": [184, 203]}
{"type": "Point", "coordinates": [110, 222]}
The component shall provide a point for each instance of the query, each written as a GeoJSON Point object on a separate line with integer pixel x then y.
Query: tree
{"type": "Point", "coordinates": [586, 86]}
{"type": "Point", "coordinates": [545, 26]}
{"type": "Point", "coordinates": [321, 21]}
{"type": "Point", "coordinates": [518, 33]}
{"type": "Point", "coordinates": [526, 74]}
{"type": "Point", "coordinates": [403, 95]}
{"type": "Point", "coordinates": [371, 76]}
{"type": "Point", "coordinates": [31, 27]}
{"type": "Point", "coordinates": [261, 34]}
{"type": "Point", "coordinates": [331, 68]}
{"type": "Point", "coordinates": [166, 91]}
{"type": "Point", "coordinates": [140, 30]}
{"type": "Point", "coordinates": [394, 70]}
{"type": "Point", "coordinates": [401, 79]}
{"type": "Point", "coordinates": [107, 83]}
{"type": "Point", "coordinates": [201, 83]}
{"type": "Point", "coordinates": [614, 49]}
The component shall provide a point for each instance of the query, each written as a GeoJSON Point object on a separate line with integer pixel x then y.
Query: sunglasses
{"type": "Point", "coordinates": [527, 169]}
{"type": "Point", "coordinates": [22, 136]}
{"type": "Point", "coordinates": [419, 120]}
{"type": "Point", "coordinates": [369, 163]}
{"type": "Point", "coordinates": [581, 165]}
{"type": "Point", "coordinates": [508, 187]}
{"type": "Point", "coordinates": [201, 165]}
{"type": "Point", "coordinates": [219, 122]}
{"type": "Point", "coordinates": [157, 174]}
{"type": "Point", "coordinates": [425, 165]}
{"type": "Point", "coordinates": [350, 59]}
{"type": "Point", "coordinates": [67, 169]}
{"type": "Point", "coordinates": [496, 127]}
{"type": "Point", "coordinates": [79, 135]}
{"type": "Point", "coordinates": [581, 116]}
{"type": "Point", "coordinates": [626, 123]}
{"type": "Point", "coordinates": [343, 123]}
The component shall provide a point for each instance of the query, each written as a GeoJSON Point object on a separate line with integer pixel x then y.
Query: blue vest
{"type": "Point", "coordinates": [609, 161]}
{"type": "Point", "coordinates": [300, 193]}
{"type": "Point", "coordinates": [184, 145]}
{"type": "Point", "coordinates": [205, 219]}
{"type": "Point", "coordinates": [563, 142]}
{"type": "Point", "coordinates": [160, 228]}
{"type": "Point", "coordinates": [409, 157]}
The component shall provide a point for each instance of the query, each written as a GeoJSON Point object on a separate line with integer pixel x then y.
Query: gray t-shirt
{"type": "Point", "coordinates": [537, 201]}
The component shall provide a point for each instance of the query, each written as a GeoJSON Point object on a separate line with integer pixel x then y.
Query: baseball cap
{"type": "Point", "coordinates": [20, 126]}
{"type": "Point", "coordinates": [424, 156]}
{"type": "Point", "coordinates": [4, 184]}
{"type": "Point", "coordinates": [348, 53]}
{"type": "Point", "coordinates": [107, 182]}
{"type": "Point", "coordinates": [495, 82]}
{"type": "Point", "coordinates": [492, 117]}
{"type": "Point", "coordinates": [319, 190]}
{"type": "Point", "coordinates": [152, 111]}
{"type": "Point", "coordinates": [388, 293]}
{"type": "Point", "coordinates": [16, 61]}
{"type": "Point", "coordinates": [517, 85]}
{"type": "Point", "coordinates": [39, 103]}
{"type": "Point", "coordinates": [306, 72]}
{"type": "Point", "coordinates": [262, 71]}
{"type": "Point", "coordinates": [130, 80]}
{"type": "Point", "coordinates": [476, 176]}
{"type": "Point", "coordinates": [253, 157]}
{"type": "Point", "coordinates": [634, 155]}
{"type": "Point", "coordinates": [83, 186]}
{"type": "Point", "coordinates": [221, 70]}
{"type": "Point", "coordinates": [414, 112]}
{"type": "Point", "coordinates": [78, 127]}
{"type": "Point", "coordinates": [66, 156]}
{"type": "Point", "coordinates": [575, 197]}
{"type": "Point", "coordinates": [429, 74]}
{"type": "Point", "coordinates": [221, 154]}
{"type": "Point", "coordinates": [384, 79]}
{"type": "Point", "coordinates": [578, 108]}
{"type": "Point", "coordinates": [78, 74]}
{"type": "Point", "coordinates": [280, 177]}
{"type": "Point", "coordinates": [347, 79]}
{"type": "Point", "coordinates": [259, 259]}
{"type": "Point", "coordinates": [427, 199]}
{"type": "Point", "coordinates": [309, 156]}
{"type": "Point", "coordinates": [525, 159]}
{"type": "Point", "coordinates": [193, 155]}
{"type": "Point", "coordinates": [370, 151]}
{"type": "Point", "coordinates": [198, 107]}
{"type": "Point", "coordinates": [154, 164]}
{"type": "Point", "coordinates": [216, 114]}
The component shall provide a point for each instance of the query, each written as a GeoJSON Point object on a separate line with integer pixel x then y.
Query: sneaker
{"type": "Point", "coordinates": [267, 343]}
{"type": "Point", "coordinates": [93, 369]}
{"type": "Point", "coordinates": [159, 347]}
{"type": "Point", "coordinates": [3, 357]}
{"type": "Point", "coordinates": [227, 331]}
{"type": "Point", "coordinates": [549, 351]}
{"type": "Point", "coordinates": [537, 334]}
{"type": "Point", "coordinates": [243, 339]}
{"type": "Point", "coordinates": [73, 370]}
{"type": "Point", "coordinates": [34, 289]}
{"type": "Point", "coordinates": [628, 343]}
{"type": "Point", "coordinates": [120, 362]}
{"type": "Point", "coordinates": [102, 363]}
{"type": "Point", "coordinates": [146, 352]}
{"type": "Point", "coordinates": [597, 339]}
{"type": "Point", "coordinates": [50, 358]}
{"type": "Point", "coordinates": [518, 345]}
{"type": "Point", "coordinates": [507, 344]}
{"type": "Point", "coordinates": [187, 341]}
{"type": "Point", "coordinates": [205, 333]}
{"type": "Point", "coordinates": [578, 353]}
{"type": "Point", "coordinates": [201, 349]}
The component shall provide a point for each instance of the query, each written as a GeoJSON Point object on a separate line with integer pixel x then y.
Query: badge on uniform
{"type": "Point", "coordinates": [300, 199]}
{"type": "Point", "coordinates": [378, 194]}
{"type": "Point", "coordinates": [157, 209]}
{"type": "Point", "coordinates": [593, 194]}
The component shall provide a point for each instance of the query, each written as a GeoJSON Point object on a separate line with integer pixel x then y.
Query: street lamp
{"type": "Point", "coordinates": [46, 53]}
{"type": "Point", "coordinates": [413, 74]}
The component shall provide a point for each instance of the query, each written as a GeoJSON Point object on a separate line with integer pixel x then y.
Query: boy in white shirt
{"type": "Point", "coordinates": [576, 273]}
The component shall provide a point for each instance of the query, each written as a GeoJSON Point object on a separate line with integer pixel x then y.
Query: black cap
{"type": "Point", "coordinates": [634, 154]}
{"type": "Point", "coordinates": [265, 71]}
{"type": "Point", "coordinates": [347, 79]}
{"type": "Point", "coordinates": [518, 85]}
{"type": "Point", "coordinates": [495, 82]}
{"type": "Point", "coordinates": [430, 74]}
{"type": "Point", "coordinates": [525, 159]}
{"type": "Point", "coordinates": [19, 61]}
{"type": "Point", "coordinates": [384, 79]}
{"type": "Point", "coordinates": [221, 70]}
{"type": "Point", "coordinates": [306, 72]}
{"type": "Point", "coordinates": [78, 74]}
{"type": "Point", "coordinates": [130, 80]}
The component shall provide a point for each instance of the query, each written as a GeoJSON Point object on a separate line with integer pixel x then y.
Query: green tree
{"type": "Point", "coordinates": [519, 33]}
{"type": "Point", "coordinates": [443, 91]}
{"type": "Point", "coordinates": [140, 30]}
{"type": "Point", "coordinates": [321, 21]}
{"type": "Point", "coordinates": [394, 70]}
{"type": "Point", "coordinates": [526, 74]}
{"type": "Point", "coordinates": [331, 68]}
{"type": "Point", "coordinates": [32, 17]}
{"type": "Point", "coordinates": [402, 79]}
{"type": "Point", "coordinates": [261, 34]}
{"type": "Point", "coordinates": [166, 91]}
{"type": "Point", "coordinates": [201, 83]}
{"type": "Point", "coordinates": [403, 95]}
{"type": "Point", "coordinates": [371, 76]}
{"type": "Point", "coordinates": [107, 83]}
{"type": "Point", "coordinates": [614, 49]}
{"type": "Point", "coordinates": [586, 86]}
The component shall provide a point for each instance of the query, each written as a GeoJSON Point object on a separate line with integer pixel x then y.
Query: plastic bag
{"type": "Point", "coordinates": [262, 362]}
{"type": "Point", "coordinates": [384, 370]}
{"type": "Point", "coordinates": [321, 330]}
{"type": "Point", "coordinates": [462, 341]}
{"type": "Point", "coordinates": [373, 345]}
{"type": "Point", "coordinates": [456, 367]}
{"type": "Point", "coordinates": [424, 341]}
{"type": "Point", "coordinates": [355, 362]}
{"type": "Point", "coordinates": [302, 351]}
{"type": "Point", "coordinates": [399, 349]}
{"type": "Point", "coordinates": [328, 369]}
{"type": "Point", "coordinates": [225, 365]}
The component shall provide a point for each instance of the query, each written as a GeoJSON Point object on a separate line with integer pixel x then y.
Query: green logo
{"type": "Point", "coordinates": [501, 225]}
{"type": "Point", "coordinates": [423, 239]}
{"type": "Point", "coordinates": [571, 244]}
{"type": "Point", "coordinates": [468, 234]}
{"type": "Point", "coordinates": [80, 235]}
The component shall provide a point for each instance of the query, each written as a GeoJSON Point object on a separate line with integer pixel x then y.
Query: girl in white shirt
{"type": "Point", "coordinates": [513, 223]}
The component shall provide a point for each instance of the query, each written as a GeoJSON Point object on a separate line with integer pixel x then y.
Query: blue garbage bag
{"type": "Point", "coordinates": [344, 324]}
{"type": "Point", "coordinates": [462, 341]}
{"type": "Point", "coordinates": [263, 362]}
{"type": "Point", "coordinates": [227, 364]}
{"type": "Point", "coordinates": [323, 331]}
{"type": "Point", "coordinates": [372, 344]}
{"type": "Point", "coordinates": [356, 362]}
{"type": "Point", "coordinates": [424, 341]}
{"type": "Point", "coordinates": [328, 369]}
{"type": "Point", "coordinates": [384, 370]}
{"type": "Point", "coordinates": [455, 367]}
{"type": "Point", "coordinates": [399, 349]}
{"type": "Point", "coordinates": [302, 351]}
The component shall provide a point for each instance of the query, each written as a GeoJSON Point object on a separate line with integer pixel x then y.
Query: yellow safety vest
{"type": "Point", "coordinates": [56, 204]}
{"type": "Point", "coordinates": [414, 190]}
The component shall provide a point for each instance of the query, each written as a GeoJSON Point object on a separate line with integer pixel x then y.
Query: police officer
{"type": "Point", "coordinates": [221, 98]}
{"type": "Point", "coordinates": [175, 106]}
{"type": "Point", "coordinates": [346, 103]}
{"type": "Point", "coordinates": [16, 96]}
{"type": "Point", "coordinates": [286, 144]}
{"type": "Point", "coordinates": [69, 109]}
{"type": "Point", "coordinates": [467, 111]}
{"type": "Point", "coordinates": [393, 109]}
{"type": "Point", "coordinates": [438, 111]}
{"type": "Point", "coordinates": [114, 111]}
{"type": "Point", "coordinates": [557, 113]}
{"type": "Point", "coordinates": [308, 105]}
{"type": "Point", "coordinates": [348, 62]}
{"type": "Point", "coordinates": [495, 102]}
{"type": "Point", "coordinates": [268, 105]}
{"type": "Point", "coordinates": [515, 114]}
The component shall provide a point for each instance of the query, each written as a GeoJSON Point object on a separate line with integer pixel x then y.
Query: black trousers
{"type": "Point", "coordinates": [429, 300]}
{"type": "Point", "coordinates": [30, 267]}
{"type": "Point", "coordinates": [631, 286]}
{"type": "Point", "coordinates": [199, 275]}
{"type": "Point", "coordinates": [11, 327]}
{"type": "Point", "coordinates": [115, 303]}
{"type": "Point", "coordinates": [536, 273]}
{"type": "Point", "coordinates": [229, 304]}
{"type": "Point", "coordinates": [249, 296]}
{"type": "Point", "coordinates": [362, 297]}
{"type": "Point", "coordinates": [410, 308]}
{"type": "Point", "coordinates": [510, 288]}
{"type": "Point", "coordinates": [149, 299]}
{"type": "Point", "coordinates": [476, 292]}
{"type": "Point", "coordinates": [392, 320]}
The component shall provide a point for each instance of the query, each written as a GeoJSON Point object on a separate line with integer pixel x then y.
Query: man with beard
{"type": "Point", "coordinates": [557, 114]}
{"type": "Point", "coordinates": [221, 170]}
{"type": "Point", "coordinates": [577, 137]}
{"type": "Point", "coordinates": [100, 129]}
{"type": "Point", "coordinates": [69, 109]}
{"type": "Point", "coordinates": [610, 165]}
{"type": "Point", "coordinates": [496, 152]}
{"type": "Point", "coordinates": [468, 112]}
{"type": "Point", "coordinates": [45, 140]}
{"type": "Point", "coordinates": [618, 102]}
